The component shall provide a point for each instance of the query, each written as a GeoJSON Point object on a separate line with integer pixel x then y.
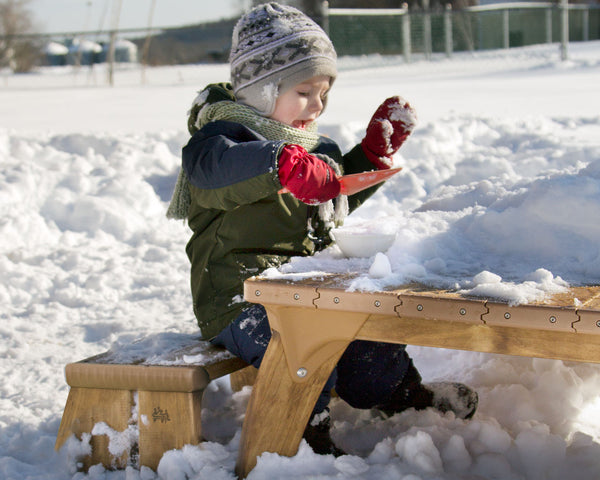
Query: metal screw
{"type": "Point", "coordinates": [302, 372]}
{"type": "Point", "coordinates": [257, 293]}
{"type": "Point", "coordinates": [296, 296]}
{"type": "Point", "coordinates": [552, 319]}
{"type": "Point", "coordinates": [336, 300]}
{"type": "Point", "coordinates": [420, 307]}
{"type": "Point", "coordinates": [507, 315]}
{"type": "Point", "coordinates": [377, 303]}
{"type": "Point", "coordinates": [598, 323]}
{"type": "Point", "coordinates": [463, 311]}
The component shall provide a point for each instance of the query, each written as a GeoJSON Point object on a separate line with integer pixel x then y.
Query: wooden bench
{"type": "Point", "coordinates": [156, 399]}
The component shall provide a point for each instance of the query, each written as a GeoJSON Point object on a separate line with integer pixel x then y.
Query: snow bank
{"type": "Point", "coordinates": [499, 196]}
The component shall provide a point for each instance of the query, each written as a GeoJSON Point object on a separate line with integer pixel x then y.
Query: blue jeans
{"type": "Point", "coordinates": [366, 375]}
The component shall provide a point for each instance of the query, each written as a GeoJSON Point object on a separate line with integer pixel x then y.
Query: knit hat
{"type": "Point", "coordinates": [275, 47]}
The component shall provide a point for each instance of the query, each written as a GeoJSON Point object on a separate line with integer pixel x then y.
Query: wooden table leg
{"type": "Point", "coordinates": [243, 377]}
{"type": "Point", "coordinates": [279, 408]}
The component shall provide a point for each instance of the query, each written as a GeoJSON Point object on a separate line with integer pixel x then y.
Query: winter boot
{"type": "Point", "coordinates": [443, 396]}
{"type": "Point", "coordinates": [453, 397]}
{"type": "Point", "coordinates": [317, 435]}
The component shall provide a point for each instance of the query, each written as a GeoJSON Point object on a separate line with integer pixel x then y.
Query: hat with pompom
{"type": "Point", "coordinates": [275, 47]}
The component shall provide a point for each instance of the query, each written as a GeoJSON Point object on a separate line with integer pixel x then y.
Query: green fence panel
{"type": "Point", "coordinates": [471, 29]}
{"type": "Point", "coordinates": [360, 35]}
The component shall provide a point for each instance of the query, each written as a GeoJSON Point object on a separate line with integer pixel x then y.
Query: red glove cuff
{"type": "Point", "coordinates": [307, 177]}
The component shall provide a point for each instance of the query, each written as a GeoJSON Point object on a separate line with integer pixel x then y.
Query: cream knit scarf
{"type": "Point", "coordinates": [332, 213]}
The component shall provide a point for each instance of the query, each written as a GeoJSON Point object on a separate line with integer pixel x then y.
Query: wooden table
{"type": "Point", "coordinates": [314, 320]}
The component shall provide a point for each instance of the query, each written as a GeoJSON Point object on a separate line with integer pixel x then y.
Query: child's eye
{"type": "Point", "coordinates": [304, 94]}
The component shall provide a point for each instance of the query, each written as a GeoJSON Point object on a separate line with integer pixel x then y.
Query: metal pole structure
{"type": "Point", "coordinates": [549, 25]}
{"type": "Point", "coordinates": [146, 46]}
{"type": "Point", "coordinates": [506, 28]}
{"type": "Point", "coordinates": [113, 39]}
{"type": "Point", "coordinates": [564, 33]}
{"type": "Point", "coordinates": [325, 16]}
{"type": "Point", "coordinates": [427, 29]}
{"type": "Point", "coordinates": [406, 46]}
{"type": "Point", "coordinates": [448, 34]}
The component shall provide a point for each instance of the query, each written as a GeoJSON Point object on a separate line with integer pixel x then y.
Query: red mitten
{"type": "Point", "coordinates": [307, 177]}
{"type": "Point", "coordinates": [389, 127]}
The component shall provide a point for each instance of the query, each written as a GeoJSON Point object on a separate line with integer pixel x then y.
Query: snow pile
{"type": "Point", "coordinates": [499, 196]}
{"type": "Point", "coordinates": [502, 198]}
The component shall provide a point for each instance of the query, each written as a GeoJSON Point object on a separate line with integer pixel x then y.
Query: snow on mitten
{"type": "Point", "coordinates": [389, 127]}
{"type": "Point", "coordinates": [307, 177]}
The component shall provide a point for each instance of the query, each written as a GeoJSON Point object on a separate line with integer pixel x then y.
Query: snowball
{"type": "Point", "coordinates": [486, 277]}
{"type": "Point", "coordinates": [381, 266]}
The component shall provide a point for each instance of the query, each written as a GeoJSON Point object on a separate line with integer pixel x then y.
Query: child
{"type": "Point", "coordinates": [251, 141]}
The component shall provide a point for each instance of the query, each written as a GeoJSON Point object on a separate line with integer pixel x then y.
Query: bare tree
{"type": "Point", "coordinates": [17, 51]}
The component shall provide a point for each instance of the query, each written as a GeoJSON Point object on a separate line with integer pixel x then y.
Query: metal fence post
{"type": "Point", "coordinates": [111, 57]}
{"type": "Point", "coordinates": [325, 16]}
{"type": "Point", "coordinates": [564, 29]}
{"type": "Point", "coordinates": [113, 38]}
{"type": "Point", "coordinates": [448, 37]}
{"type": "Point", "coordinates": [427, 29]}
{"type": "Point", "coordinates": [406, 46]}
{"type": "Point", "coordinates": [549, 25]}
{"type": "Point", "coordinates": [506, 28]}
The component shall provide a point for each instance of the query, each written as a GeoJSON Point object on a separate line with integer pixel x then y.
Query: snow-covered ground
{"type": "Point", "coordinates": [499, 195]}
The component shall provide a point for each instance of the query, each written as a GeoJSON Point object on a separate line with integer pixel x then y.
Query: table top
{"type": "Point", "coordinates": [576, 309]}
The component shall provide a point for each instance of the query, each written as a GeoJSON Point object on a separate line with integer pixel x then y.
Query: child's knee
{"type": "Point", "coordinates": [247, 337]}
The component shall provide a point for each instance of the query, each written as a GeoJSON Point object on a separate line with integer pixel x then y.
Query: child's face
{"type": "Point", "coordinates": [303, 103]}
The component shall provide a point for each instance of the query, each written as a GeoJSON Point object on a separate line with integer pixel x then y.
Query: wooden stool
{"type": "Point", "coordinates": [161, 396]}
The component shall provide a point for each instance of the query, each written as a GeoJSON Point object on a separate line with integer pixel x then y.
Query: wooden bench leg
{"type": "Point", "coordinates": [87, 406]}
{"type": "Point", "coordinates": [275, 418]}
{"type": "Point", "coordinates": [167, 420]}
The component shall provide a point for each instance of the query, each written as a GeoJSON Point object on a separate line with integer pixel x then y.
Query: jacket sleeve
{"type": "Point", "coordinates": [229, 165]}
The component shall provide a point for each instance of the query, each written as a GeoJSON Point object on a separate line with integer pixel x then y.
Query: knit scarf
{"type": "Point", "coordinates": [331, 213]}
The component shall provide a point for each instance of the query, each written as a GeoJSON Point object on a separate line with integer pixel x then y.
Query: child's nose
{"type": "Point", "coordinates": [316, 105]}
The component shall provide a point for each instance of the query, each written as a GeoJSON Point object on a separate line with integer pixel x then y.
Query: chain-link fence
{"type": "Point", "coordinates": [404, 32]}
{"type": "Point", "coordinates": [414, 32]}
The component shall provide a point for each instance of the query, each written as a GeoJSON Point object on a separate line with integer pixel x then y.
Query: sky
{"type": "Point", "coordinates": [53, 16]}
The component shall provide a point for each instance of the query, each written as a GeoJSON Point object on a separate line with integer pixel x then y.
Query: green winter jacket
{"type": "Point", "coordinates": [241, 224]}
